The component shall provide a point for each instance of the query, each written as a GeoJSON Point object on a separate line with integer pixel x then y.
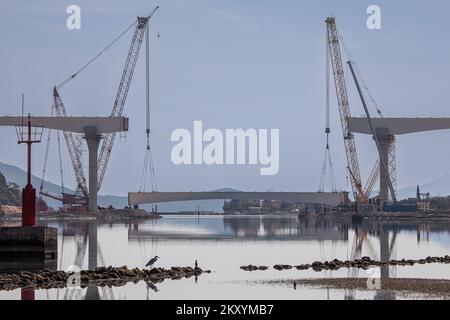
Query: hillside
{"type": "Point", "coordinates": [9, 192]}
{"type": "Point", "coordinates": [18, 176]}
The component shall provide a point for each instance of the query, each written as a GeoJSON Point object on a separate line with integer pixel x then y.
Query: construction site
{"type": "Point", "coordinates": [99, 134]}
{"type": "Point", "coordinates": [332, 231]}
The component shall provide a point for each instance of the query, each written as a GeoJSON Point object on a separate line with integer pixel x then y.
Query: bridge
{"type": "Point", "coordinates": [91, 127]}
{"type": "Point", "coordinates": [72, 124]}
{"type": "Point", "coordinates": [398, 126]}
{"type": "Point", "coordinates": [323, 198]}
{"type": "Point", "coordinates": [386, 128]}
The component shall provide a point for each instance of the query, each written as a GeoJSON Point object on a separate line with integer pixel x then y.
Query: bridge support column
{"type": "Point", "coordinates": [93, 140]}
{"type": "Point", "coordinates": [92, 238]}
{"type": "Point", "coordinates": [384, 140]}
{"type": "Point", "coordinates": [385, 254]}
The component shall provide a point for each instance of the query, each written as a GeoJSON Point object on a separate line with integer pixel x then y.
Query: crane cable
{"type": "Point", "coordinates": [327, 161]}
{"type": "Point", "coordinates": [148, 162]}
{"type": "Point", "coordinates": [110, 44]}
{"type": "Point", "coordinates": [41, 187]}
{"type": "Point", "coordinates": [49, 134]}
{"type": "Point", "coordinates": [367, 92]}
{"type": "Point", "coordinates": [60, 162]}
{"type": "Point", "coordinates": [148, 167]}
{"type": "Point", "coordinates": [70, 78]}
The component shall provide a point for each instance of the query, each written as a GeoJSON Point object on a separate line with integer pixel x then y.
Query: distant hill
{"type": "Point", "coordinates": [9, 192]}
{"type": "Point", "coordinates": [226, 190]}
{"type": "Point", "coordinates": [437, 187]}
{"type": "Point", "coordinates": [18, 176]}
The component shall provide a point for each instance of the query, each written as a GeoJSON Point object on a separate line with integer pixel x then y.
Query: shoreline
{"type": "Point", "coordinates": [433, 287]}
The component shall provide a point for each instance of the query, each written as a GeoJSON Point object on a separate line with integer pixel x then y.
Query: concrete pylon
{"type": "Point", "coordinates": [92, 140]}
{"type": "Point", "coordinates": [92, 238]}
{"type": "Point", "coordinates": [384, 140]}
{"type": "Point", "coordinates": [385, 254]}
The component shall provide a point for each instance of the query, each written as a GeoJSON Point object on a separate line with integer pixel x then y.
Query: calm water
{"type": "Point", "coordinates": [224, 243]}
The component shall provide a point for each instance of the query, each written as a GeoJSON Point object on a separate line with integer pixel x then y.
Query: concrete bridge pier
{"type": "Point", "coordinates": [384, 139]}
{"type": "Point", "coordinates": [92, 242]}
{"type": "Point", "coordinates": [92, 139]}
{"type": "Point", "coordinates": [385, 253]}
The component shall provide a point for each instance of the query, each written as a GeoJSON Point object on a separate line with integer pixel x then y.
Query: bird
{"type": "Point", "coordinates": [151, 286]}
{"type": "Point", "coordinates": [152, 261]}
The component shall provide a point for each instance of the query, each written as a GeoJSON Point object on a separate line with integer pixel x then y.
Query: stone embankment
{"type": "Point", "coordinates": [102, 276]}
{"type": "Point", "coordinates": [363, 263]}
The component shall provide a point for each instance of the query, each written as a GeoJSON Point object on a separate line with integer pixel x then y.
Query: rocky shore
{"type": "Point", "coordinates": [102, 276]}
{"type": "Point", "coordinates": [102, 216]}
{"type": "Point", "coordinates": [363, 263]}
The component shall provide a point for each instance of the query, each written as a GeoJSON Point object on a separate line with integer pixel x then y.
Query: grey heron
{"type": "Point", "coordinates": [152, 261]}
{"type": "Point", "coordinates": [151, 286]}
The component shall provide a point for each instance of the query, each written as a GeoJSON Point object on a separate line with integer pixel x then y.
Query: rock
{"type": "Point", "coordinates": [303, 267]}
{"type": "Point", "coordinates": [282, 267]}
{"type": "Point", "coordinates": [249, 268]}
{"type": "Point", "coordinates": [278, 267]}
{"type": "Point", "coordinates": [155, 271]}
{"type": "Point", "coordinates": [317, 268]}
{"type": "Point", "coordinates": [263, 268]}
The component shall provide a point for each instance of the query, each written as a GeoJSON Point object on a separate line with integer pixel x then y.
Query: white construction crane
{"type": "Point", "coordinates": [361, 194]}
{"type": "Point", "coordinates": [141, 28]}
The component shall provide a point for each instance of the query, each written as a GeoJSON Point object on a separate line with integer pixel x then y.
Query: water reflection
{"type": "Point", "coordinates": [288, 227]}
{"type": "Point", "coordinates": [266, 239]}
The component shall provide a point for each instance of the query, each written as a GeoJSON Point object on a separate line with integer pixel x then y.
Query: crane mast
{"type": "Point", "coordinates": [383, 161]}
{"type": "Point", "coordinates": [121, 96]}
{"type": "Point", "coordinates": [74, 152]}
{"type": "Point", "coordinates": [373, 177]}
{"type": "Point", "coordinates": [344, 109]}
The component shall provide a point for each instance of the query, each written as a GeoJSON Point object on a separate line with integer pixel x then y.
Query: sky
{"type": "Point", "coordinates": [231, 64]}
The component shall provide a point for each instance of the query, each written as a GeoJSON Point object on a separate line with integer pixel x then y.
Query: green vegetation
{"type": "Point", "coordinates": [9, 192]}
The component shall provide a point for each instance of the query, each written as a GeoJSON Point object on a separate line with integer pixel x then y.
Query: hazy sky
{"type": "Point", "coordinates": [231, 64]}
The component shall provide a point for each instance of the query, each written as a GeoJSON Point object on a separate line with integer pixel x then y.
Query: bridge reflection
{"type": "Point", "coordinates": [244, 228]}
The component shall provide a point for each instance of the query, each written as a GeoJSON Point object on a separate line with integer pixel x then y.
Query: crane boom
{"type": "Point", "coordinates": [122, 92]}
{"type": "Point", "coordinates": [74, 152]}
{"type": "Point", "coordinates": [374, 175]}
{"type": "Point", "coordinates": [383, 162]}
{"type": "Point", "coordinates": [344, 109]}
